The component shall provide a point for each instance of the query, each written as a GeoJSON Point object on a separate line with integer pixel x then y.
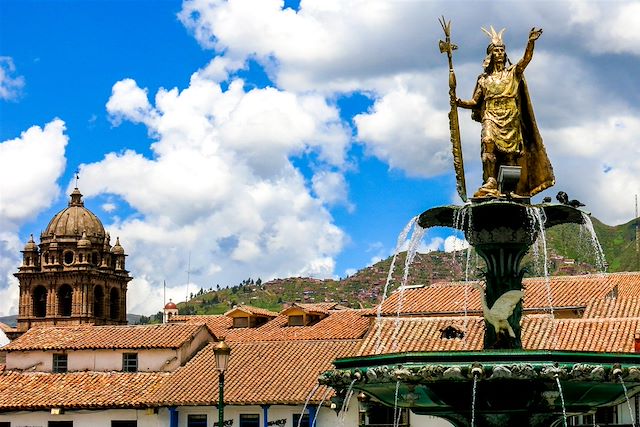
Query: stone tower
{"type": "Point", "coordinates": [73, 276]}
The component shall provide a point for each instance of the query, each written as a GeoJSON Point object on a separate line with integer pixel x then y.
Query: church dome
{"type": "Point", "coordinates": [71, 222]}
{"type": "Point", "coordinates": [170, 305]}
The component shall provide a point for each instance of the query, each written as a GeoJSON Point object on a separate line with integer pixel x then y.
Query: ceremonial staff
{"type": "Point", "coordinates": [454, 125]}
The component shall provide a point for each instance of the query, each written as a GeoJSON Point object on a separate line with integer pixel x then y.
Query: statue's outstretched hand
{"type": "Point", "coordinates": [535, 34]}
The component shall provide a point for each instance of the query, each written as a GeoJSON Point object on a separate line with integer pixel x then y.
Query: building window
{"type": "Point", "coordinates": [40, 301]}
{"type": "Point", "coordinates": [68, 257]}
{"type": "Point", "coordinates": [296, 320]}
{"type": "Point", "coordinates": [65, 297]}
{"type": "Point", "coordinates": [305, 422]}
{"type": "Point", "coordinates": [312, 319]}
{"type": "Point", "coordinates": [197, 420]}
{"type": "Point", "coordinates": [98, 301]}
{"type": "Point", "coordinates": [451, 333]}
{"type": "Point", "coordinates": [60, 424]}
{"type": "Point", "coordinates": [249, 420]}
{"type": "Point", "coordinates": [130, 362]}
{"type": "Point", "coordinates": [60, 364]}
{"type": "Point", "coordinates": [114, 304]}
{"type": "Point", "coordinates": [124, 423]}
{"type": "Point", "coordinates": [384, 415]}
{"type": "Point", "coordinates": [240, 322]}
{"type": "Point", "coordinates": [606, 416]}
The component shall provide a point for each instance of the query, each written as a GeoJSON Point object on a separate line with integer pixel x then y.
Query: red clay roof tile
{"type": "Point", "coordinates": [104, 337]}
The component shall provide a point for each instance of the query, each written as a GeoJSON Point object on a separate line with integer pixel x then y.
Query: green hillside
{"type": "Point", "coordinates": [569, 249]}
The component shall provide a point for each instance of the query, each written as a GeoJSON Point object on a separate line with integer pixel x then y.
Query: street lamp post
{"type": "Point", "coordinates": [222, 352]}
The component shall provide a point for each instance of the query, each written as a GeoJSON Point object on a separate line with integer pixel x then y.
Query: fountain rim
{"type": "Point", "coordinates": [487, 356]}
{"type": "Point", "coordinates": [444, 216]}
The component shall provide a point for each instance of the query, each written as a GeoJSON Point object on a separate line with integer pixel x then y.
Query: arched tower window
{"type": "Point", "coordinates": [40, 301]}
{"type": "Point", "coordinates": [114, 304]}
{"type": "Point", "coordinates": [65, 294]}
{"type": "Point", "coordinates": [68, 257]}
{"type": "Point", "coordinates": [98, 301]}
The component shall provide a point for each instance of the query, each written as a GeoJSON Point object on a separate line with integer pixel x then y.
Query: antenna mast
{"type": "Point", "coordinates": [637, 237]}
{"type": "Point", "coordinates": [188, 277]}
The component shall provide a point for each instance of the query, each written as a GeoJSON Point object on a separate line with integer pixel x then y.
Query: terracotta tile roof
{"type": "Point", "coordinates": [104, 337]}
{"type": "Point", "coordinates": [390, 335]}
{"type": "Point", "coordinates": [566, 291]}
{"type": "Point", "coordinates": [322, 308]}
{"type": "Point", "coordinates": [613, 307]}
{"type": "Point", "coordinates": [32, 391]}
{"type": "Point", "coordinates": [339, 324]}
{"type": "Point", "coordinates": [256, 311]}
{"type": "Point", "coordinates": [539, 332]}
{"type": "Point", "coordinates": [600, 335]}
{"type": "Point", "coordinates": [6, 328]}
{"type": "Point", "coordinates": [285, 379]}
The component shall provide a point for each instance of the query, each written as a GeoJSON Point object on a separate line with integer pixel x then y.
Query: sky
{"type": "Point", "coordinates": [226, 140]}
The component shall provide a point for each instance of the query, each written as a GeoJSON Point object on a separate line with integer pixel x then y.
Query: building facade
{"type": "Point", "coordinates": [73, 276]}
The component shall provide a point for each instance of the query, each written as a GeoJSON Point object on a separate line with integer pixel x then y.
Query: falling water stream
{"type": "Point", "coordinates": [626, 395]}
{"type": "Point", "coordinates": [473, 400]}
{"type": "Point", "coordinates": [345, 404]}
{"type": "Point", "coordinates": [396, 413]}
{"type": "Point", "coordinates": [466, 283]}
{"type": "Point", "coordinates": [306, 403]}
{"type": "Point", "coordinates": [564, 411]}
{"type": "Point", "coordinates": [595, 243]}
{"type": "Point", "coordinates": [315, 417]}
{"type": "Point", "coordinates": [402, 238]}
{"type": "Point", "coordinates": [414, 243]}
{"type": "Point", "coordinates": [539, 218]}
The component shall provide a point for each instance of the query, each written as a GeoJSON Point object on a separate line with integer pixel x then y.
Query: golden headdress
{"type": "Point", "coordinates": [496, 38]}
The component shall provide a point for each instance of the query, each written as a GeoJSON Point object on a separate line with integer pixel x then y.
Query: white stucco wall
{"type": "Point", "coordinates": [326, 417]}
{"type": "Point", "coordinates": [88, 418]}
{"type": "Point", "coordinates": [96, 360]}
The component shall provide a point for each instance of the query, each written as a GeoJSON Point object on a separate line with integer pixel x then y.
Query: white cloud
{"type": "Point", "coordinates": [608, 28]}
{"type": "Point", "coordinates": [331, 188]}
{"type": "Point", "coordinates": [10, 85]}
{"type": "Point", "coordinates": [32, 163]}
{"type": "Point", "coordinates": [109, 207]}
{"type": "Point", "coordinates": [10, 258]}
{"type": "Point", "coordinates": [220, 185]}
{"type": "Point", "coordinates": [405, 130]}
{"type": "Point", "coordinates": [129, 101]}
{"type": "Point", "coordinates": [454, 243]}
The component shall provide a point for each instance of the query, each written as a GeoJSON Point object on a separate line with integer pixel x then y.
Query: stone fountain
{"type": "Point", "coordinates": [502, 385]}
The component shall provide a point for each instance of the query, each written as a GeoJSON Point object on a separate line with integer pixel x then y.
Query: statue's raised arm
{"type": "Point", "coordinates": [510, 135]}
{"type": "Point", "coordinates": [528, 52]}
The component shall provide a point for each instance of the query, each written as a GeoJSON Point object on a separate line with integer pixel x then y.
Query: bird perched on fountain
{"type": "Point", "coordinates": [503, 308]}
{"type": "Point", "coordinates": [575, 203]}
{"type": "Point", "coordinates": [562, 197]}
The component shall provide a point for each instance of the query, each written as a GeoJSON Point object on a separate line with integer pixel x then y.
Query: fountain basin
{"type": "Point", "coordinates": [513, 387]}
{"type": "Point", "coordinates": [498, 213]}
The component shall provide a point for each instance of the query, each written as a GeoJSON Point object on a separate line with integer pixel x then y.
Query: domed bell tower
{"type": "Point", "coordinates": [73, 276]}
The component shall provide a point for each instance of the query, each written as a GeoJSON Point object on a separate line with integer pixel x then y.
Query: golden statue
{"type": "Point", "coordinates": [510, 134]}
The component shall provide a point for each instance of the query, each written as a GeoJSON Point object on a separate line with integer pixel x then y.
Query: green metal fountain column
{"type": "Point", "coordinates": [501, 234]}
